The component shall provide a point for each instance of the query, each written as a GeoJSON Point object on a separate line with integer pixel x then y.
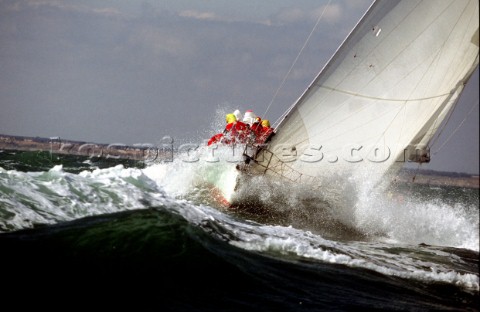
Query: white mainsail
{"type": "Point", "coordinates": [382, 96]}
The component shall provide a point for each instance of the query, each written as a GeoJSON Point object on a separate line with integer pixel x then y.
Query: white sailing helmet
{"type": "Point", "coordinates": [238, 114]}
{"type": "Point", "coordinates": [249, 117]}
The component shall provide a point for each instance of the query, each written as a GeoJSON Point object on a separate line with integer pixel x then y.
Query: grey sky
{"type": "Point", "coordinates": [134, 71]}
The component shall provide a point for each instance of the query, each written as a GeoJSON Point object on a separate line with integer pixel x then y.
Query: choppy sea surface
{"type": "Point", "coordinates": [95, 233]}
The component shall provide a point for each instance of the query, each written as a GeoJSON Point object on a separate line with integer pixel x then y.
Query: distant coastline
{"type": "Point", "coordinates": [56, 145]}
{"type": "Point", "coordinates": [438, 178]}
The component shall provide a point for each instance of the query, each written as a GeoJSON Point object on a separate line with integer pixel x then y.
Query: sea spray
{"type": "Point", "coordinates": [194, 175]}
{"type": "Point", "coordinates": [404, 217]}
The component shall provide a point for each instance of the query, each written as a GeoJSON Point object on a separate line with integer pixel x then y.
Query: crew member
{"type": "Point", "coordinates": [217, 138]}
{"type": "Point", "coordinates": [237, 114]}
{"type": "Point", "coordinates": [257, 129]}
{"type": "Point", "coordinates": [266, 131]}
{"type": "Point", "coordinates": [249, 117]}
{"type": "Point", "coordinates": [235, 132]}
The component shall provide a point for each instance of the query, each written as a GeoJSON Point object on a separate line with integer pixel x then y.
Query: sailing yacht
{"type": "Point", "coordinates": [380, 99]}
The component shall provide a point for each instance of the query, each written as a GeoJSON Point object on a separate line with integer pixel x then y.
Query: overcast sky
{"type": "Point", "coordinates": [123, 71]}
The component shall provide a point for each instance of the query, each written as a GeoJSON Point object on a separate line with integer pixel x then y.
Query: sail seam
{"type": "Point", "coordinates": [385, 99]}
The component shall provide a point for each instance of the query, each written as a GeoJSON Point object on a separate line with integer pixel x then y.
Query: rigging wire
{"type": "Point", "coordinates": [434, 137]}
{"type": "Point", "coordinates": [441, 131]}
{"type": "Point", "coordinates": [296, 59]}
{"type": "Point", "coordinates": [457, 128]}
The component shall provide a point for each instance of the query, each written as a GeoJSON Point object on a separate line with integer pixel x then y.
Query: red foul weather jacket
{"type": "Point", "coordinates": [235, 132]}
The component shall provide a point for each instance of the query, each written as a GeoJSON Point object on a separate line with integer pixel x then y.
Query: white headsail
{"type": "Point", "coordinates": [382, 96]}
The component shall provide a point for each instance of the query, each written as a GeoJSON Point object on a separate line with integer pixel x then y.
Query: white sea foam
{"type": "Point", "coordinates": [405, 218]}
{"type": "Point", "coordinates": [201, 170]}
{"type": "Point", "coordinates": [382, 216]}
{"type": "Point", "coordinates": [48, 197]}
{"type": "Point", "coordinates": [371, 256]}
